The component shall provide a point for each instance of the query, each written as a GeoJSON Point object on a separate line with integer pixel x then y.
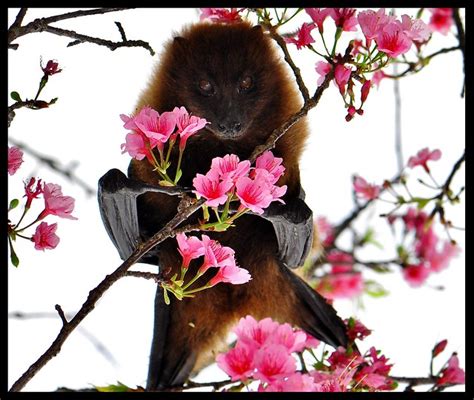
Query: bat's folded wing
{"type": "Point", "coordinates": [293, 225]}
{"type": "Point", "coordinates": [117, 196]}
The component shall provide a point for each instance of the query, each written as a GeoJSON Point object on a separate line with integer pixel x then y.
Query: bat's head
{"type": "Point", "coordinates": [230, 74]}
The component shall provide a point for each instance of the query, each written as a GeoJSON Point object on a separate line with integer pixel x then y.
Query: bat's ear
{"type": "Point", "coordinates": [257, 30]}
{"type": "Point", "coordinates": [180, 42]}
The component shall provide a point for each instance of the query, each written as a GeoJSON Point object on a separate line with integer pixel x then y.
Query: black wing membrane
{"type": "Point", "coordinates": [117, 195]}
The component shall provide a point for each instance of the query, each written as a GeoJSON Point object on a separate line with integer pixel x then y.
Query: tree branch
{"type": "Point", "coordinates": [462, 43]}
{"type": "Point", "coordinates": [55, 166]}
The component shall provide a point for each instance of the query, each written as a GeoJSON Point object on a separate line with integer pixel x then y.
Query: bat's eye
{"type": "Point", "coordinates": [206, 87]}
{"type": "Point", "coordinates": [246, 84]}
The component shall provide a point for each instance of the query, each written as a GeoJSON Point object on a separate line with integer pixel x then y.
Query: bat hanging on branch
{"type": "Point", "coordinates": [232, 76]}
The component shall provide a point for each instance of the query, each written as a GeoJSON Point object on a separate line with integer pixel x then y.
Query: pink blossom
{"type": "Point", "coordinates": [211, 188]}
{"type": "Point", "coordinates": [415, 219]}
{"type": "Point", "coordinates": [296, 382]}
{"type": "Point", "coordinates": [216, 255]}
{"type": "Point", "coordinates": [318, 15]}
{"type": "Point", "coordinates": [340, 261]}
{"type": "Point", "coordinates": [441, 20]}
{"type": "Point", "coordinates": [272, 164]}
{"type": "Point", "coordinates": [392, 40]}
{"type": "Point", "coordinates": [423, 156]}
{"type": "Point", "coordinates": [364, 189]}
{"type": "Point", "coordinates": [378, 76]}
{"type": "Point", "coordinates": [136, 146]}
{"type": "Point", "coordinates": [356, 329]}
{"type": "Point", "coordinates": [15, 159]}
{"type": "Point", "coordinates": [56, 203]}
{"type": "Point", "coordinates": [325, 230]}
{"type": "Point", "coordinates": [452, 374]}
{"type": "Point", "coordinates": [364, 91]}
{"type": "Point", "coordinates": [415, 29]}
{"type": "Point", "coordinates": [441, 259]}
{"type": "Point", "coordinates": [351, 110]}
{"type": "Point", "coordinates": [329, 385]}
{"type": "Point", "coordinates": [254, 194]}
{"type": "Point", "coordinates": [342, 75]}
{"type": "Point", "coordinates": [51, 68]}
{"type": "Point", "coordinates": [255, 333]}
{"type": "Point", "coordinates": [425, 246]}
{"type": "Point", "coordinates": [341, 285]}
{"type": "Point", "coordinates": [303, 36]}
{"type": "Point", "coordinates": [157, 128]}
{"type": "Point", "coordinates": [344, 18]}
{"type": "Point", "coordinates": [439, 348]}
{"type": "Point", "coordinates": [375, 374]}
{"type": "Point", "coordinates": [231, 274]}
{"type": "Point", "coordinates": [273, 362]}
{"type": "Point", "coordinates": [292, 340]}
{"type": "Point", "coordinates": [229, 168]}
{"type": "Point", "coordinates": [45, 236]}
{"type": "Point", "coordinates": [416, 275]}
{"type": "Point", "coordinates": [31, 194]}
{"type": "Point", "coordinates": [372, 22]}
{"type": "Point", "coordinates": [189, 248]}
{"type": "Point", "coordinates": [221, 14]}
{"type": "Point", "coordinates": [237, 362]}
{"type": "Point", "coordinates": [322, 68]}
{"type": "Point", "coordinates": [187, 125]}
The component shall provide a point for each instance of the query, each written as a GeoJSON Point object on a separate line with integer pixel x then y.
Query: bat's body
{"type": "Point", "coordinates": [232, 76]}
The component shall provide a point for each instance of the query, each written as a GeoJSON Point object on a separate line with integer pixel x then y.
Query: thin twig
{"type": "Point", "coordinates": [60, 311]}
{"type": "Point", "coordinates": [146, 275]}
{"type": "Point", "coordinates": [55, 166]}
{"type": "Point", "coordinates": [122, 32]}
{"type": "Point", "coordinates": [19, 18]}
{"type": "Point", "coordinates": [462, 43]}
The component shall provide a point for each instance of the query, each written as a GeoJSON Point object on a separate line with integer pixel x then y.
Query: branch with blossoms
{"type": "Point", "coordinates": [224, 183]}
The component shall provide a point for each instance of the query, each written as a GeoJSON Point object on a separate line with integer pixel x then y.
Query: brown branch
{"type": "Point", "coordinates": [60, 311]}
{"type": "Point", "coordinates": [146, 275]}
{"type": "Point", "coordinates": [55, 166]}
{"type": "Point", "coordinates": [122, 32]}
{"type": "Point", "coordinates": [19, 18]}
{"type": "Point", "coordinates": [32, 104]}
{"type": "Point", "coordinates": [462, 43]}
{"type": "Point", "coordinates": [43, 25]}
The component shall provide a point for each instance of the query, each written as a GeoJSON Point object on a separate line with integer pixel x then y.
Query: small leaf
{"type": "Point", "coordinates": [165, 294]}
{"type": "Point", "coordinates": [178, 176]}
{"type": "Point", "coordinates": [119, 387]}
{"type": "Point", "coordinates": [15, 96]}
{"type": "Point", "coordinates": [52, 101]}
{"type": "Point", "coordinates": [13, 204]}
{"type": "Point", "coordinates": [375, 289]}
{"type": "Point", "coordinates": [14, 259]}
{"type": "Point", "coordinates": [421, 202]}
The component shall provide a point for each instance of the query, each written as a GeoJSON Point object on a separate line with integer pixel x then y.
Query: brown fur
{"type": "Point", "coordinates": [223, 54]}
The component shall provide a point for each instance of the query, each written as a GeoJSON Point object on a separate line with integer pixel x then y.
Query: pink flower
{"type": "Point", "coordinates": [273, 362]}
{"type": "Point", "coordinates": [272, 164]}
{"type": "Point", "coordinates": [15, 159]}
{"type": "Point", "coordinates": [318, 15]}
{"type": "Point", "coordinates": [221, 14]}
{"type": "Point", "coordinates": [356, 329]}
{"type": "Point", "coordinates": [211, 188]}
{"type": "Point", "coordinates": [56, 203]}
{"type": "Point", "coordinates": [187, 125]}
{"type": "Point", "coordinates": [342, 75]}
{"type": "Point", "coordinates": [375, 374]}
{"type": "Point", "coordinates": [364, 189]}
{"type": "Point", "coordinates": [441, 20]}
{"type": "Point", "coordinates": [440, 260]}
{"type": "Point", "coordinates": [340, 359]}
{"type": "Point", "coordinates": [231, 274]}
{"type": "Point", "coordinates": [45, 236]}
{"type": "Point", "coordinates": [340, 261]}
{"type": "Point", "coordinates": [344, 18]}
{"type": "Point", "coordinates": [325, 230]}
{"type": "Point", "coordinates": [364, 91]}
{"type": "Point", "coordinates": [392, 40]}
{"type": "Point", "coordinates": [322, 68]}
{"type": "Point", "coordinates": [189, 248]}
{"type": "Point", "coordinates": [32, 194]}
{"type": "Point", "coordinates": [254, 194]}
{"type": "Point", "coordinates": [425, 246]}
{"type": "Point", "coordinates": [341, 285]}
{"type": "Point", "coordinates": [255, 333]}
{"type": "Point", "coordinates": [51, 68]}
{"type": "Point", "coordinates": [216, 255]}
{"type": "Point", "coordinates": [292, 340]}
{"type": "Point", "coordinates": [303, 36]}
{"type": "Point", "coordinates": [297, 382]}
{"type": "Point", "coordinates": [377, 77]}
{"type": "Point", "coordinates": [237, 362]}
{"type": "Point", "coordinates": [416, 275]}
{"type": "Point", "coordinates": [452, 374]}
{"type": "Point", "coordinates": [136, 146]}
{"type": "Point", "coordinates": [350, 113]}
{"type": "Point", "coordinates": [372, 22]}
{"type": "Point", "coordinates": [229, 168]}
{"type": "Point", "coordinates": [422, 158]}
{"type": "Point", "coordinates": [415, 29]}
{"type": "Point", "coordinates": [439, 348]}
{"type": "Point", "coordinates": [415, 220]}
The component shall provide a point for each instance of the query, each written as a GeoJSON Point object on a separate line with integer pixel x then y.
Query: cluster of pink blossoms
{"type": "Point", "coordinates": [54, 204]}
{"type": "Point", "coordinates": [265, 349]}
{"type": "Point", "coordinates": [231, 179]}
{"type": "Point", "coordinates": [215, 256]}
{"type": "Point", "coordinates": [221, 14]}
{"type": "Point", "coordinates": [441, 20]}
{"type": "Point", "coordinates": [150, 130]}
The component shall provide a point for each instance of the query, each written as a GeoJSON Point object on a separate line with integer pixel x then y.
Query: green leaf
{"type": "Point", "coordinates": [421, 202]}
{"type": "Point", "coordinates": [14, 259]}
{"type": "Point", "coordinates": [375, 289]}
{"type": "Point", "coordinates": [165, 294]}
{"type": "Point", "coordinates": [13, 204]}
{"type": "Point", "coordinates": [381, 269]}
{"type": "Point", "coordinates": [52, 101]}
{"type": "Point", "coordinates": [15, 96]}
{"type": "Point", "coordinates": [119, 387]}
{"type": "Point", "coordinates": [178, 176]}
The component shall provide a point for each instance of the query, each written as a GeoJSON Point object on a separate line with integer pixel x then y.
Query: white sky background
{"type": "Point", "coordinates": [96, 85]}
